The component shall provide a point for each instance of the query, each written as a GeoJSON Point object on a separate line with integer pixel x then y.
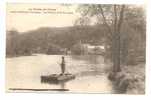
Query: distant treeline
{"type": "Point", "coordinates": [53, 40]}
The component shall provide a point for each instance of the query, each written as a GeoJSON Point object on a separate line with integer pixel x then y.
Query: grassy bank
{"type": "Point", "coordinates": [136, 74]}
{"type": "Point", "coordinates": [131, 80]}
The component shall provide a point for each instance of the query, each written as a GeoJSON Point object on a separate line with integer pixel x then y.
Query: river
{"type": "Point", "coordinates": [25, 71]}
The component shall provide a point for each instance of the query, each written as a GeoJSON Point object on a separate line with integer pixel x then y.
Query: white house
{"type": "Point", "coordinates": [92, 49]}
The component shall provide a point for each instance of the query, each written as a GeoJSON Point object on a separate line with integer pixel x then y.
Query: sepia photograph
{"type": "Point", "coordinates": [75, 48]}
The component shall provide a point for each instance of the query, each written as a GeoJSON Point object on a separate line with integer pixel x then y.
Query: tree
{"type": "Point", "coordinates": [133, 35]}
{"type": "Point", "coordinates": [111, 16]}
{"type": "Point", "coordinates": [82, 21]}
{"type": "Point", "coordinates": [12, 43]}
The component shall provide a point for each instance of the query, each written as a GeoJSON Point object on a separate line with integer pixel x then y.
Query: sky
{"type": "Point", "coordinates": [22, 17]}
{"type": "Point", "coordinates": [51, 15]}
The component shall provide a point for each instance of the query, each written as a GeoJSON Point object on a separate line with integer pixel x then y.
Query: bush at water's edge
{"type": "Point", "coordinates": [131, 80]}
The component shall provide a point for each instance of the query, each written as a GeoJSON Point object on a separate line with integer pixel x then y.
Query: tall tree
{"type": "Point", "coordinates": [112, 16]}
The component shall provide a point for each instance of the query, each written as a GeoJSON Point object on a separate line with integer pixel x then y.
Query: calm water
{"type": "Point", "coordinates": [24, 72]}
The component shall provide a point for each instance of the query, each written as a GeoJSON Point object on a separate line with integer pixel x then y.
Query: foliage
{"type": "Point", "coordinates": [125, 25]}
{"type": "Point", "coordinates": [51, 40]}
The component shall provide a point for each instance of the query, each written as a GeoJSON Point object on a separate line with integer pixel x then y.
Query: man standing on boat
{"type": "Point", "coordinates": [63, 66]}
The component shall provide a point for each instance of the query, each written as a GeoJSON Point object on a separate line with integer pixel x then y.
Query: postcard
{"type": "Point", "coordinates": [75, 48]}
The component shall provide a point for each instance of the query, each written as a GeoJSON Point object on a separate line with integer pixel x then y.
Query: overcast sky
{"type": "Point", "coordinates": [15, 19]}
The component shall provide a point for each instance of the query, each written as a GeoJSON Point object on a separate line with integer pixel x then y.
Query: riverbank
{"type": "Point", "coordinates": [137, 75]}
{"type": "Point", "coordinates": [131, 80]}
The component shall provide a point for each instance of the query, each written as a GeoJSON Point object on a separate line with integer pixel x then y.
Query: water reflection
{"type": "Point", "coordinates": [89, 71]}
{"type": "Point", "coordinates": [93, 59]}
{"type": "Point", "coordinates": [63, 84]}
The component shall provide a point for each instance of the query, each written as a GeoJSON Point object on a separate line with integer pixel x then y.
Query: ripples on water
{"type": "Point", "coordinates": [24, 72]}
